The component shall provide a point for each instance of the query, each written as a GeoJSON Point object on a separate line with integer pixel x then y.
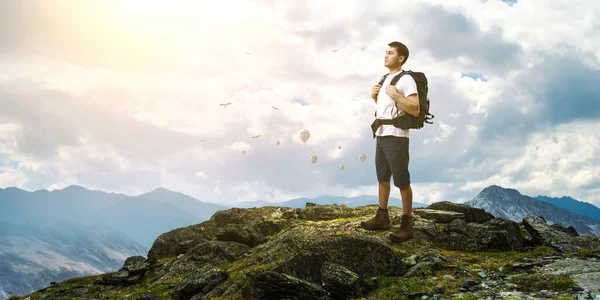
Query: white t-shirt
{"type": "Point", "coordinates": [386, 106]}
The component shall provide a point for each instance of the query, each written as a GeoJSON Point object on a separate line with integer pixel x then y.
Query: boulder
{"type": "Point", "coordinates": [427, 266]}
{"type": "Point", "coordinates": [340, 282]}
{"type": "Point", "coordinates": [495, 234]}
{"type": "Point", "coordinates": [544, 234]}
{"type": "Point", "coordinates": [213, 253]}
{"type": "Point", "coordinates": [568, 230]}
{"type": "Point", "coordinates": [266, 284]}
{"type": "Point", "coordinates": [120, 278]}
{"type": "Point", "coordinates": [438, 216]}
{"type": "Point", "coordinates": [136, 265]}
{"type": "Point", "coordinates": [148, 297]}
{"type": "Point", "coordinates": [177, 241]}
{"type": "Point", "coordinates": [364, 255]}
{"type": "Point", "coordinates": [216, 252]}
{"type": "Point", "coordinates": [251, 226]}
{"type": "Point", "coordinates": [585, 272]}
{"type": "Point", "coordinates": [302, 251]}
{"type": "Point", "coordinates": [472, 214]}
{"type": "Point", "coordinates": [200, 283]}
{"type": "Point", "coordinates": [252, 215]}
{"type": "Point", "coordinates": [315, 212]}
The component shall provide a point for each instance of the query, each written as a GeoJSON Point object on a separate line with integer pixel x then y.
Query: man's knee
{"type": "Point", "coordinates": [384, 183]}
{"type": "Point", "coordinates": [405, 188]}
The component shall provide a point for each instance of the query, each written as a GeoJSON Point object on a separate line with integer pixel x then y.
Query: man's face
{"type": "Point", "coordinates": [391, 57]}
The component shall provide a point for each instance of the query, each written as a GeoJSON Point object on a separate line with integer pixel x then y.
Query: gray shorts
{"type": "Point", "coordinates": [391, 158]}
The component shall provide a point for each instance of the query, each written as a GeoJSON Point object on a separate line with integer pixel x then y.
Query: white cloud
{"type": "Point", "coordinates": [481, 94]}
{"type": "Point", "coordinates": [446, 132]}
{"type": "Point", "coordinates": [127, 110]}
{"type": "Point", "coordinates": [202, 175]}
{"type": "Point", "coordinates": [560, 161]}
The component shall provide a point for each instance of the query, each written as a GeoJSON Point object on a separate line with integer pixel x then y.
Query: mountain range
{"type": "Point", "coordinates": [143, 218]}
{"type": "Point", "coordinates": [509, 204]}
{"type": "Point", "coordinates": [579, 207]}
{"type": "Point", "coordinates": [36, 253]}
{"type": "Point", "coordinates": [326, 200]}
{"type": "Point", "coordinates": [53, 235]}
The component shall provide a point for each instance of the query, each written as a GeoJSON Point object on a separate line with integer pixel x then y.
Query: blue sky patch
{"type": "Point", "coordinates": [300, 100]}
{"type": "Point", "coordinates": [4, 162]}
{"type": "Point", "coordinates": [474, 76]}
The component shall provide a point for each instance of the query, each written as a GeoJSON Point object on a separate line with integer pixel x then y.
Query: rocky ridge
{"type": "Point", "coordinates": [320, 252]}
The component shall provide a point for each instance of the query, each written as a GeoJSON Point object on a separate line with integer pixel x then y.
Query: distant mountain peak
{"type": "Point", "coordinates": [161, 190]}
{"type": "Point", "coordinates": [495, 187]}
{"type": "Point", "coordinates": [510, 204]}
{"type": "Point", "coordinates": [12, 188]}
{"type": "Point", "coordinates": [75, 187]}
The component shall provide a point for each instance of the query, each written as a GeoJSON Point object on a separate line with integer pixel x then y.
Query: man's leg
{"type": "Point", "coordinates": [406, 195]}
{"type": "Point", "coordinates": [384, 194]}
{"type": "Point", "coordinates": [381, 220]}
{"type": "Point", "coordinates": [402, 181]}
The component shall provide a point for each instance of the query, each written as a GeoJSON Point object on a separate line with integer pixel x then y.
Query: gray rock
{"type": "Point", "coordinates": [426, 266]}
{"type": "Point", "coordinates": [120, 278]}
{"type": "Point", "coordinates": [301, 252]}
{"type": "Point", "coordinates": [231, 290]}
{"type": "Point", "coordinates": [495, 234]}
{"type": "Point", "coordinates": [448, 277]}
{"type": "Point", "coordinates": [325, 212]}
{"type": "Point", "coordinates": [544, 234]}
{"type": "Point", "coordinates": [568, 230]}
{"type": "Point", "coordinates": [438, 216]}
{"type": "Point", "coordinates": [202, 282]}
{"type": "Point", "coordinates": [469, 285]}
{"type": "Point", "coordinates": [177, 241]}
{"type": "Point", "coordinates": [136, 265]}
{"type": "Point", "coordinates": [75, 292]}
{"type": "Point", "coordinates": [273, 285]}
{"type": "Point", "coordinates": [216, 252]}
{"type": "Point", "coordinates": [149, 297]}
{"type": "Point", "coordinates": [411, 260]}
{"type": "Point", "coordinates": [471, 214]}
{"type": "Point", "coordinates": [585, 272]}
{"type": "Point", "coordinates": [339, 281]}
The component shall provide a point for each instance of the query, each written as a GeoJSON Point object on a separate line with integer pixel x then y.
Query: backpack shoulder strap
{"type": "Point", "coordinates": [381, 83]}
{"type": "Point", "coordinates": [383, 79]}
{"type": "Point", "coordinates": [397, 77]}
{"type": "Point", "coordinates": [394, 81]}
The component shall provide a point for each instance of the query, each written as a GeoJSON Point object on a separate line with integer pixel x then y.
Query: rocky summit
{"type": "Point", "coordinates": [321, 252]}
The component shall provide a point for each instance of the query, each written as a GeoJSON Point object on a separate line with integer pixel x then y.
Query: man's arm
{"type": "Point", "coordinates": [409, 104]}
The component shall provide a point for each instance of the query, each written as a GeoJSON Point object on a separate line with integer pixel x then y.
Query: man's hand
{"type": "Point", "coordinates": [375, 91]}
{"type": "Point", "coordinates": [391, 90]}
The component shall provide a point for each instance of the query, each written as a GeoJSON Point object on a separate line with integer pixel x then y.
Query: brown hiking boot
{"type": "Point", "coordinates": [406, 230]}
{"type": "Point", "coordinates": [380, 221]}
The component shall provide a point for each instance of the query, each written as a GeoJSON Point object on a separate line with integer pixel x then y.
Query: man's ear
{"type": "Point", "coordinates": [401, 59]}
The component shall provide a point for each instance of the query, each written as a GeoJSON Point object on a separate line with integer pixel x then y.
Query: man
{"type": "Point", "coordinates": [391, 151]}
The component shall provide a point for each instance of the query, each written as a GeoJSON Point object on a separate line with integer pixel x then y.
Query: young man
{"type": "Point", "coordinates": [391, 151]}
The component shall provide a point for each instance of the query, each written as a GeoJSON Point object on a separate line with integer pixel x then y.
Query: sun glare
{"type": "Point", "coordinates": [157, 7]}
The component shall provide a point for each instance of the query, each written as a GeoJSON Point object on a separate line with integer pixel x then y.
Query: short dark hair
{"type": "Point", "coordinates": [401, 49]}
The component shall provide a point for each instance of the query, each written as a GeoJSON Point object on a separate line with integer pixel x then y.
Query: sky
{"type": "Point", "coordinates": [124, 97]}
